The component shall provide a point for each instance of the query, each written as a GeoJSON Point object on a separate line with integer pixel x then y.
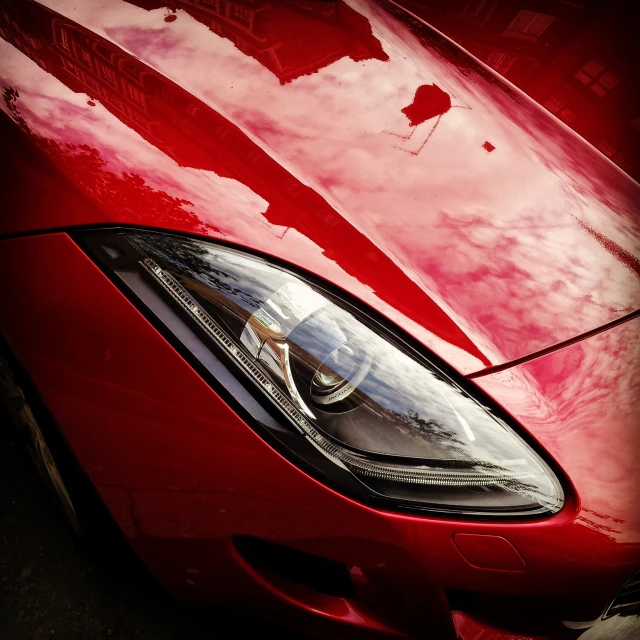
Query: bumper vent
{"type": "Point", "coordinates": [314, 572]}
{"type": "Point", "coordinates": [627, 602]}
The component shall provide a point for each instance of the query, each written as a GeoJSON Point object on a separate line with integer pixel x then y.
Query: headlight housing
{"type": "Point", "coordinates": [404, 431]}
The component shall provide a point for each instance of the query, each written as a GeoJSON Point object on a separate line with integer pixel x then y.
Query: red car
{"type": "Point", "coordinates": [341, 327]}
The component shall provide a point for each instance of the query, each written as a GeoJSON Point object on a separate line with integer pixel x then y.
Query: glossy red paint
{"type": "Point", "coordinates": [247, 156]}
{"type": "Point", "coordinates": [183, 475]}
{"type": "Point", "coordinates": [585, 399]}
{"type": "Point", "coordinates": [577, 59]}
{"type": "Point", "coordinates": [481, 226]}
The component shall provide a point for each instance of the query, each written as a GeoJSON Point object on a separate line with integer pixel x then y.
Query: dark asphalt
{"type": "Point", "coordinates": [50, 587]}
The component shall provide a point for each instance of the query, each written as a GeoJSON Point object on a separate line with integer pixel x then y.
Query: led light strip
{"type": "Point", "coordinates": [181, 295]}
{"type": "Point", "coordinates": [415, 475]}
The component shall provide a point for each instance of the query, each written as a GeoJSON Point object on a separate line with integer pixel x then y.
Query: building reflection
{"type": "Point", "coordinates": [196, 136]}
{"type": "Point", "coordinates": [578, 60]}
{"type": "Point", "coordinates": [291, 38]}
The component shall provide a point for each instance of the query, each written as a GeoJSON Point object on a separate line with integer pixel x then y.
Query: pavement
{"type": "Point", "coordinates": [51, 587]}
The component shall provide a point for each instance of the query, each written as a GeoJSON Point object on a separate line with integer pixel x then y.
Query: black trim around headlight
{"type": "Point", "coordinates": [329, 385]}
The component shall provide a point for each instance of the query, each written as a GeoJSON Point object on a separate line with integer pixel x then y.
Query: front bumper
{"type": "Point", "coordinates": [185, 478]}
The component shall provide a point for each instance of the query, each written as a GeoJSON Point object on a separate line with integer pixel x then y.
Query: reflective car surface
{"type": "Point", "coordinates": [341, 325]}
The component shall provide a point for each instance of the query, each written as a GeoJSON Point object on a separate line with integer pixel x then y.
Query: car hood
{"type": "Point", "coordinates": [348, 139]}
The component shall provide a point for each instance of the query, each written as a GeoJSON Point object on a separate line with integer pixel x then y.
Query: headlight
{"type": "Point", "coordinates": [370, 403]}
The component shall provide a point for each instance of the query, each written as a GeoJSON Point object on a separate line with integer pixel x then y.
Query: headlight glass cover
{"type": "Point", "coordinates": [369, 402]}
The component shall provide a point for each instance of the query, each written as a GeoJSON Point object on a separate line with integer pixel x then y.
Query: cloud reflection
{"type": "Point", "coordinates": [497, 240]}
{"type": "Point", "coordinates": [582, 404]}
